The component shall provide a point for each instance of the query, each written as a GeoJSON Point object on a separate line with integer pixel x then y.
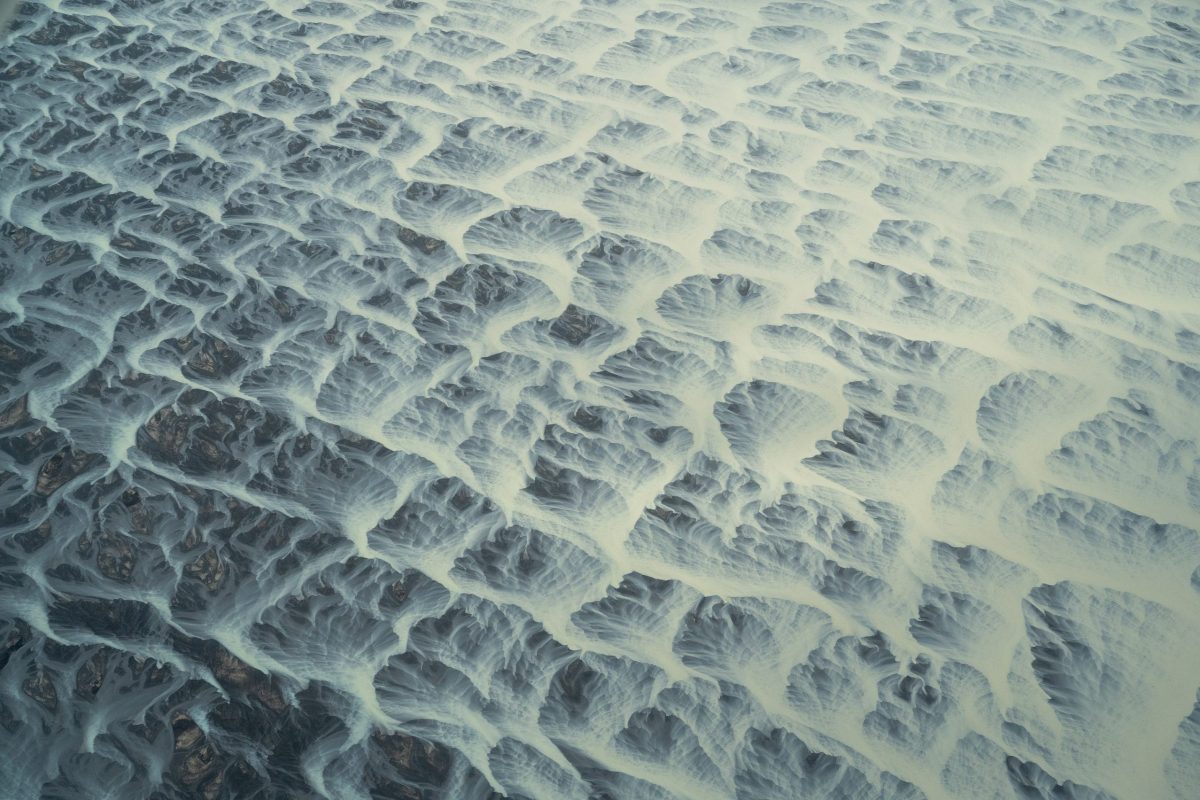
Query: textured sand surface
{"type": "Point", "coordinates": [600, 400]}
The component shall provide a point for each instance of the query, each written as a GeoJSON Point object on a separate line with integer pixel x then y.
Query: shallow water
{"type": "Point", "coordinates": [602, 399]}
